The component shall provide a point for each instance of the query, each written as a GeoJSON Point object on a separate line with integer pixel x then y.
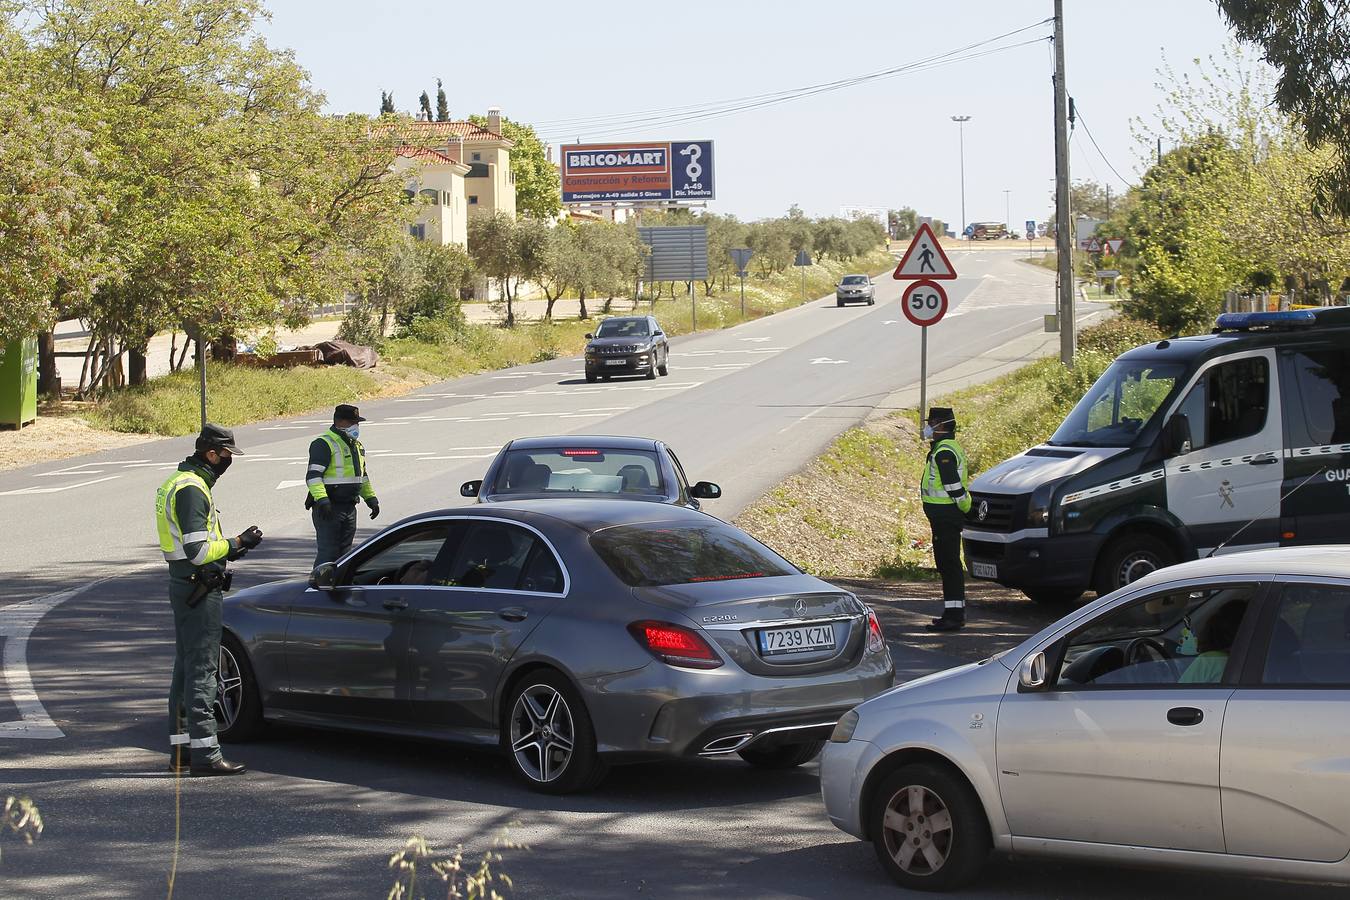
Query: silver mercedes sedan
{"type": "Point", "coordinates": [571, 633]}
{"type": "Point", "coordinates": [1100, 737]}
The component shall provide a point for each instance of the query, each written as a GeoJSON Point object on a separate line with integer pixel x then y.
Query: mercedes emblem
{"type": "Point", "coordinates": [799, 608]}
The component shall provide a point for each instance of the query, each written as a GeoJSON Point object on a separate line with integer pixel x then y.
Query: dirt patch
{"type": "Point", "coordinates": [60, 436]}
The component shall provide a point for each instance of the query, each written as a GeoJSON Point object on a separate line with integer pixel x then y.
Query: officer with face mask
{"type": "Point", "coordinates": [946, 500]}
{"type": "Point", "coordinates": [337, 478]}
{"type": "Point", "coordinates": [197, 551]}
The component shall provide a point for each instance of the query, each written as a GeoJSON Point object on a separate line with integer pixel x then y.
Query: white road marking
{"type": "Point", "coordinates": [891, 322]}
{"type": "Point", "coordinates": [521, 375]}
{"type": "Point", "coordinates": [826, 361]}
{"type": "Point", "coordinates": [58, 488]}
{"type": "Point", "coordinates": [756, 340]}
{"type": "Point", "coordinates": [417, 399]}
{"type": "Point", "coordinates": [16, 627]}
{"type": "Point", "coordinates": [82, 469]}
{"type": "Point", "coordinates": [465, 456]}
{"type": "Point", "coordinates": [284, 428]}
{"type": "Point", "coordinates": [799, 421]}
{"type": "Point", "coordinates": [283, 485]}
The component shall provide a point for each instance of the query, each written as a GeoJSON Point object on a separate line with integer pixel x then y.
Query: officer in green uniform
{"type": "Point", "coordinates": [946, 500]}
{"type": "Point", "coordinates": [197, 551]}
{"type": "Point", "coordinates": [336, 479]}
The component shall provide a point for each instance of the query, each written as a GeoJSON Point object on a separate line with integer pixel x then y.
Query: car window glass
{"type": "Point", "coordinates": [1237, 394]}
{"type": "Point", "coordinates": [1323, 379]}
{"type": "Point", "coordinates": [492, 555]}
{"type": "Point", "coordinates": [855, 279]}
{"type": "Point", "coordinates": [410, 560]}
{"type": "Point", "coordinates": [1179, 637]}
{"type": "Point", "coordinates": [1310, 639]}
{"type": "Point", "coordinates": [580, 470]}
{"type": "Point", "coordinates": [622, 328]}
{"type": "Point", "coordinates": [655, 553]}
{"type": "Point", "coordinates": [541, 574]}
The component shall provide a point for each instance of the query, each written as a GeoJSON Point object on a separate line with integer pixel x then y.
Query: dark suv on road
{"type": "Point", "coordinates": [627, 345]}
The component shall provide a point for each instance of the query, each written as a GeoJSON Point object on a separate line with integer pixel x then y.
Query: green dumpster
{"type": "Point", "coordinates": [18, 383]}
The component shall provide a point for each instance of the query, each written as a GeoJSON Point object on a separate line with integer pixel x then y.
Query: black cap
{"type": "Point", "coordinates": [347, 412]}
{"type": "Point", "coordinates": [214, 437]}
{"type": "Point", "coordinates": [941, 414]}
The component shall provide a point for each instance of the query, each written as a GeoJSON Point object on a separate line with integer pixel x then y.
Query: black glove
{"type": "Point", "coordinates": [374, 507]}
{"type": "Point", "coordinates": [251, 537]}
{"type": "Point", "coordinates": [325, 508]}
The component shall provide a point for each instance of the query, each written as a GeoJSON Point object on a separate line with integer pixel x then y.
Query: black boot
{"type": "Point", "coordinates": [180, 758]}
{"type": "Point", "coordinates": [951, 620]}
{"type": "Point", "coordinates": [217, 767]}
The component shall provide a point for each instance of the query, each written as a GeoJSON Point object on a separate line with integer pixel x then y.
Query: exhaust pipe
{"type": "Point", "coordinates": [728, 744]}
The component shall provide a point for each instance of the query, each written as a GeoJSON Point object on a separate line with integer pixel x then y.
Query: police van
{"type": "Point", "coordinates": [1234, 440]}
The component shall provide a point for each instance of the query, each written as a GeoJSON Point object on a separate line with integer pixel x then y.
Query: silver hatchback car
{"type": "Point", "coordinates": [1100, 737]}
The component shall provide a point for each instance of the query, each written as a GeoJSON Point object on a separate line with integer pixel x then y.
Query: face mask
{"type": "Point", "coordinates": [354, 432]}
{"type": "Point", "coordinates": [928, 432]}
{"type": "Point", "coordinates": [220, 466]}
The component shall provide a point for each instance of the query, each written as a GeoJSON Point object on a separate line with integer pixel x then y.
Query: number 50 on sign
{"type": "Point", "coordinates": [924, 303]}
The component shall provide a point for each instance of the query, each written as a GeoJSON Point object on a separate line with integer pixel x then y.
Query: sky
{"type": "Point", "coordinates": [885, 143]}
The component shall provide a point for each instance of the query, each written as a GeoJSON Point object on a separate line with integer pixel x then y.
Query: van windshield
{"type": "Point", "coordinates": [1122, 402]}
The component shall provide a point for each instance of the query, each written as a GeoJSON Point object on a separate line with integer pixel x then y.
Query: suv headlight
{"type": "Point", "coordinates": [843, 731]}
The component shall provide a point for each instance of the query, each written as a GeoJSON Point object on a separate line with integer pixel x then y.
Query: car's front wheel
{"type": "Point", "coordinates": [664, 368]}
{"type": "Point", "coordinates": [239, 715]}
{"type": "Point", "coordinates": [929, 828]}
{"type": "Point", "coordinates": [549, 736]}
{"type": "Point", "coordinates": [784, 756]}
{"type": "Point", "coordinates": [590, 377]}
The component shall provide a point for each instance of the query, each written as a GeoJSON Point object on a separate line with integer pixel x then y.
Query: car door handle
{"type": "Point", "coordinates": [513, 613]}
{"type": "Point", "coordinates": [1264, 461]}
{"type": "Point", "coordinates": [395, 603]}
{"type": "Point", "coordinates": [1185, 715]}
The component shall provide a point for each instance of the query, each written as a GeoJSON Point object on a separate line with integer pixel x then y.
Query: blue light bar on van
{"type": "Point", "coordinates": [1247, 320]}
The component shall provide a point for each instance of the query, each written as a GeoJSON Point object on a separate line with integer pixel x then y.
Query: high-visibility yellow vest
{"type": "Point", "coordinates": [172, 541]}
{"type": "Point", "coordinates": [934, 491]}
{"type": "Point", "coordinates": [344, 467]}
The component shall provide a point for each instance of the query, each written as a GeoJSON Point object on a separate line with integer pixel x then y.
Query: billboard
{"type": "Point", "coordinates": [657, 170]}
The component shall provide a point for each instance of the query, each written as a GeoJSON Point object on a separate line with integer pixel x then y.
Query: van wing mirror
{"type": "Point", "coordinates": [471, 488]}
{"type": "Point", "coordinates": [1031, 674]}
{"type": "Point", "coordinates": [324, 578]}
{"type": "Point", "coordinates": [705, 490]}
{"type": "Point", "coordinates": [1177, 436]}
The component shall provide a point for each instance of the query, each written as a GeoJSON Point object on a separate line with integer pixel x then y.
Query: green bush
{"type": "Point", "coordinates": [1118, 334]}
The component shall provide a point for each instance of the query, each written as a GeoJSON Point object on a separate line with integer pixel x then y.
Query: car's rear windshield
{"type": "Point", "coordinates": [661, 553]}
{"type": "Point", "coordinates": [623, 328]}
{"type": "Point", "coordinates": [855, 279]}
{"type": "Point", "coordinates": [580, 469]}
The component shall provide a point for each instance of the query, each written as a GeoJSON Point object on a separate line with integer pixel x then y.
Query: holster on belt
{"type": "Point", "coordinates": [206, 580]}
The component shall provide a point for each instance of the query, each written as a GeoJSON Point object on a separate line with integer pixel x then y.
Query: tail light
{"type": "Point", "coordinates": [675, 645]}
{"type": "Point", "coordinates": [876, 641]}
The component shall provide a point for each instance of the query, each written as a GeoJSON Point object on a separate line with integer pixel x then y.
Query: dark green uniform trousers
{"type": "Point", "coordinates": [334, 533]}
{"type": "Point", "coordinates": [192, 696]}
{"type": "Point", "coordinates": [947, 520]}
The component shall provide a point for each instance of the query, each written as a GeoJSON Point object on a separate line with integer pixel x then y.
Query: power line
{"type": "Point", "coordinates": [1079, 110]}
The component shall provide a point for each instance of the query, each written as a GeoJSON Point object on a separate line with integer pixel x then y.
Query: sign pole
{"type": "Point", "coordinates": [693, 308]}
{"type": "Point", "coordinates": [923, 375]}
{"type": "Point", "coordinates": [742, 295]}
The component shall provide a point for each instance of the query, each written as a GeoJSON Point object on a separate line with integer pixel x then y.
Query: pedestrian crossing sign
{"type": "Point", "coordinates": [925, 258]}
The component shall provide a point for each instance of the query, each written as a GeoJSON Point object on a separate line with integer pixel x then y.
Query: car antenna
{"type": "Point", "coordinates": [1264, 512]}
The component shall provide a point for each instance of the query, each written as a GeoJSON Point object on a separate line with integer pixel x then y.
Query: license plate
{"type": "Point", "coordinates": [797, 639]}
{"type": "Point", "coordinates": [984, 570]}
{"type": "Point", "coordinates": [616, 362]}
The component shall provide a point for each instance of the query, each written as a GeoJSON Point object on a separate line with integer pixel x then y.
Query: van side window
{"type": "Point", "coordinates": [1323, 378]}
{"type": "Point", "coordinates": [1229, 402]}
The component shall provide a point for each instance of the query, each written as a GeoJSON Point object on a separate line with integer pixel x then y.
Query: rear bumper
{"type": "Point", "coordinates": [662, 711]}
{"type": "Point", "coordinates": [1062, 561]}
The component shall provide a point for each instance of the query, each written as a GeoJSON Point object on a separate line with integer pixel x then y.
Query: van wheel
{"type": "Point", "coordinates": [1129, 558]}
{"type": "Point", "coordinates": [1053, 596]}
{"type": "Point", "coordinates": [928, 828]}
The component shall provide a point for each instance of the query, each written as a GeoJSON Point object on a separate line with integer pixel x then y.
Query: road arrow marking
{"type": "Point", "coordinates": [826, 361]}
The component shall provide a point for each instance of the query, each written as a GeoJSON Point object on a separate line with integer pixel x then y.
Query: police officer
{"type": "Point", "coordinates": [337, 477]}
{"type": "Point", "coordinates": [197, 551]}
{"type": "Point", "coordinates": [946, 501]}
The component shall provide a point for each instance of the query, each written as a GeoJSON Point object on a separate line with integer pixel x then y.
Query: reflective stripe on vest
{"type": "Point", "coordinates": [341, 466]}
{"type": "Point", "coordinates": [934, 491]}
{"type": "Point", "coordinates": [172, 542]}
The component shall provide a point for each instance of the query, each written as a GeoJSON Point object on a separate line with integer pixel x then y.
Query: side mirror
{"type": "Point", "coordinates": [590, 336]}
{"type": "Point", "coordinates": [471, 488]}
{"type": "Point", "coordinates": [658, 333]}
{"type": "Point", "coordinates": [1031, 675]}
{"type": "Point", "coordinates": [324, 578]}
{"type": "Point", "coordinates": [1177, 436]}
{"type": "Point", "coordinates": [705, 490]}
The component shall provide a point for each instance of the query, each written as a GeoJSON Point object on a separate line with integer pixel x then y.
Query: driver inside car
{"type": "Point", "coordinates": [1214, 642]}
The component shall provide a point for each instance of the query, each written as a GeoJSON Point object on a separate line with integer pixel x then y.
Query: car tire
{"type": "Point", "coordinates": [604, 378]}
{"type": "Point", "coordinates": [544, 705]}
{"type": "Point", "coordinates": [664, 368]}
{"type": "Point", "coordinates": [838, 302]}
{"type": "Point", "coordinates": [651, 372]}
{"type": "Point", "coordinates": [590, 379]}
{"type": "Point", "coordinates": [237, 693]}
{"type": "Point", "coordinates": [1129, 558]}
{"type": "Point", "coordinates": [872, 301]}
{"type": "Point", "coordinates": [784, 756]}
{"type": "Point", "coordinates": [939, 859]}
{"type": "Point", "coordinates": [1053, 596]}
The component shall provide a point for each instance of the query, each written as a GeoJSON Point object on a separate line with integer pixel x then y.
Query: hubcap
{"type": "Point", "coordinates": [229, 689]}
{"type": "Point", "coordinates": [918, 830]}
{"type": "Point", "coordinates": [542, 733]}
{"type": "Point", "coordinates": [1136, 566]}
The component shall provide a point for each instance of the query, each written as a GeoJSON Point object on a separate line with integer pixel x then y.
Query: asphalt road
{"type": "Point", "coordinates": [84, 675]}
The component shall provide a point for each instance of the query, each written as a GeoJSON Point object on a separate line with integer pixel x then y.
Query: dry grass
{"type": "Point", "coordinates": [59, 434]}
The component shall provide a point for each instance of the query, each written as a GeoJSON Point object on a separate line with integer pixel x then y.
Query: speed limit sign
{"type": "Point", "coordinates": [924, 303]}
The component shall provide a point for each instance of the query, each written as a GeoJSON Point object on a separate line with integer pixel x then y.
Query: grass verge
{"type": "Point", "coordinates": [855, 511]}
{"type": "Point", "coordinates": [434, 351]}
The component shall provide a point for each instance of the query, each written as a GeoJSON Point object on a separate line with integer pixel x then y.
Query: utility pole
{"type": "Point", "coordinates": [961, 127]}
{"type": "Point", "coordinates": [1007, 209]}
{"type": "Point", "coordinates": [1108, 200]}
{"type": "Point", "coordinates": [1063, 215]}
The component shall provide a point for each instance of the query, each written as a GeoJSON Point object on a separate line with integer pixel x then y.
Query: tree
{"type": "Point", "coordinates": [386, 104]}
{"type": "Point", "coordinates": [442, 106]}
{"type": "Point", "coordinates": [538, 190]}
{"type": "Point", "coordinates": [495, 248]}
{"type": "Point", "coordinates": [1086, 198]}
{"type": "Point", "coordinates": [557, 267]}
{"type": "Point", "coordinates": [424, 103]}
{"type": "Point", "coordinates": [444, 273]}
{"type": "Point", "coordinates": [903, 223]}
{"type": "Point", "coordinates": [1308, 41]}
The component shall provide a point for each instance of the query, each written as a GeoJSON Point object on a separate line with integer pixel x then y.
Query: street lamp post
{"type": "Point", "coordinates": [1007, 209]}
{"type": "Point", "coordinates": [960, 122]}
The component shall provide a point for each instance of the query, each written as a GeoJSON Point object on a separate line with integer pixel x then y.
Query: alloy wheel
{"type": "Point", "coordinates": [542, 733]}
{"type": "Point", "coordinates": [229, 689]}
{"type": "Point", "coordinates": [918, 830]}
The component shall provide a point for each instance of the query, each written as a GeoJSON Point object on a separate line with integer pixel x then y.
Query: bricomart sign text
{"type": "Point", "coordinates": [607, 173]}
